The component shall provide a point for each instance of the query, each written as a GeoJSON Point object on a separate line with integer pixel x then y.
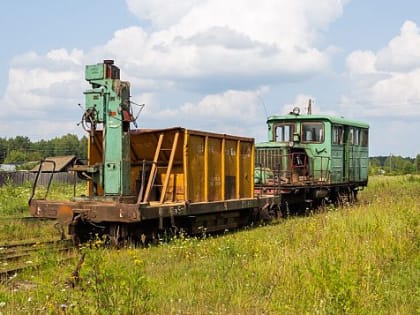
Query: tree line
{"type": "Point", "coordinates": [394, 165]}
{"type": "Point", "coordinates": [21, 150]}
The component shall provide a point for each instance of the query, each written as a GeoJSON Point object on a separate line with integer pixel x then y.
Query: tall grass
{"type": "Point", "coordinates": [362, 259]}
{"type": "Point", "coordinates": [14, 199]}
{"type": "Point", "coordinates": [14, 205]}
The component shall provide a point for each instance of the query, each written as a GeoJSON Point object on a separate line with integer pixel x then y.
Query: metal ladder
{"type": "Point", "coordinates": [153, 172]}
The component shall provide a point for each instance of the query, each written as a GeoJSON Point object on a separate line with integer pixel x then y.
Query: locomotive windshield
{"type": "Point", "coordinates": [283, 132]}
{"type": "Point", "coordinates": [313, 132]}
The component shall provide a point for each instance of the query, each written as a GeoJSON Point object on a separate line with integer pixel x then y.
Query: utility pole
{"type": "Point", "coordinates": [390, 162]}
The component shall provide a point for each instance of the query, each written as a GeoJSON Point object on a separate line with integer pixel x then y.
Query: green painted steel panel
{"type": "Point", "coordinates": [94, 72]}
{"type": "Point", "coordinates": [109, 100]}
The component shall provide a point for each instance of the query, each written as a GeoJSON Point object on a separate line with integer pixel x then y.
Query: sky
{"type": "Point", "coordinates": [216, 65]}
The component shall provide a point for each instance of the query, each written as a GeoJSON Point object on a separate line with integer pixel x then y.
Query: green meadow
{"type": "Point", "coordinates": [358, 259]}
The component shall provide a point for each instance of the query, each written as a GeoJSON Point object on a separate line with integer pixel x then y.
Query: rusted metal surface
{"type": "Point", "coordinates": [95, 211]}
{"type": "Point", "coordinates": [101, 211]}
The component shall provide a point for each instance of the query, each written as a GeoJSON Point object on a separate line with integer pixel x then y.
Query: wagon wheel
{"type": "Point", "coordinates": [75, 240]}
{"type": "Point", "coordinates": [118, 235]}
{"type": "Point", "coordinates": [342, 199]}
{"type": "Point", "coordinates": [268, 213]}
{"type": "Point", "coordinates": [354, 196]}
{"type": "Point", "coordinates": [275, 212]}
{"type": "Point", "coordinates": [351, 195]}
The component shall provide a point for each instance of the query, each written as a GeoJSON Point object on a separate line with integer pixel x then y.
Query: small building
{"type": "Point", "coordinates": [62, 164]}
{"type": "Point", "coordinates": [7, 168]}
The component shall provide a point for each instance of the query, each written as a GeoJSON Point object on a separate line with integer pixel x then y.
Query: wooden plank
{"type": "Point", "coordinates": [169, 169]}
{"type": "Point", "coordinates": [153, 171]}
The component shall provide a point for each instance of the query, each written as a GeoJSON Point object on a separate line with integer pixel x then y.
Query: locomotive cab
{"type": "Point", "coordinates": [312, 157]}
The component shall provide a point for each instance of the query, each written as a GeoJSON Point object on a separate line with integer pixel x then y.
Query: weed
{"type": "Point", "coordinates": [362, 259]}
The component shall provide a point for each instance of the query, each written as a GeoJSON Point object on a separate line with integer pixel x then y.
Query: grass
{"type": "Point", "coordinates": [362, 259]}
{"type": "Point", "coordinates": [14, 199]}
{"type": "Point", "coordinates": [14, 206]}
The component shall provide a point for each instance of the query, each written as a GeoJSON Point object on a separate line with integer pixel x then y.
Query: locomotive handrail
{"type": "Point", "coordinates": [324, 178]}
{"type": "Point", "coordinates": [37, 177]}
{"type": "Point", "coordinates": [287, 171]}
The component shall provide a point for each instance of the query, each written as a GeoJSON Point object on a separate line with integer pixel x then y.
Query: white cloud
{"type": "Point", "coordinates": [231, 111]}
{"type": "Point", "coordinates": [222, 52]}
{"type": "Point", "coordinates": [161, 13]}
{"type": "Point", "coordinates": [402, 52]}
{"type": "Point", "coordinates": [200, 39]}
{"type": "Point", "coordinates": [42, 93]}
{"type": "Point", "coordinates": [386, 83]}
{"type": "Point", "coordinates": [38, 90]}
{"type": "Point", "coordinates": [302, 102]}
{"type": "Point", "coordinates": [62, 55]}
{"type": "Point", "coordinates": [361, 62]}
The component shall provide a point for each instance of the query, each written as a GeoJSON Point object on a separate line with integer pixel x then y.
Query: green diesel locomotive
{"type": "Point", "coordinates": [309, 159]}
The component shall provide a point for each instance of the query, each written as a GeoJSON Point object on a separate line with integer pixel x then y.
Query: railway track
{"type": "Point", "coordinates": [17, 256]}
{"type": "Point", "coordinates": [24, 219]}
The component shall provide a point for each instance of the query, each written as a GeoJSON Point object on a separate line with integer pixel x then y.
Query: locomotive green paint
{"type": "Point", "coordinates": [109, 102]}
{"type": "Point", "coordinates": [263, 175]}
{"type": "Point", "coordinates": [335, 149]}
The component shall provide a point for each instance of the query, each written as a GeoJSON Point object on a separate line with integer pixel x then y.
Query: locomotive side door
{"type": "Point", "coordinates": [348, 154]}
{"type": "Point", "coordinates": [338, 147]}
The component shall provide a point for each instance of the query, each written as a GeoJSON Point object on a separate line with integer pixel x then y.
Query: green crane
{"type": "Point", "coordinates": [108, 103]}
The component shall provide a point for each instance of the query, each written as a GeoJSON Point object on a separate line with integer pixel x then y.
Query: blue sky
{"type": "Point", "coordinates": [216, 65]}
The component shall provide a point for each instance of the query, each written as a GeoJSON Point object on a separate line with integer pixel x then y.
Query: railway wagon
{"type": "Point", "coordinates": [309, 159]}
{"type": "Point", "coordinates": [144, 182]}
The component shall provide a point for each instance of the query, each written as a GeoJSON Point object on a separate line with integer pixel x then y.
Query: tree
{"type": "Point", "coordinates": [408, 167]}
{"type": "Point", "coordinates": [44, 147]}
{"type": "Point", "coordinates": [374, 166]}
{"type": "Point", "coordinates": [395, 164]}
{"type": "Point", "coordinates": [3, 149]}
{"type": "Point", "coordinates": [20, 157]}
{"type": "Point", "coordinates": [15, 157]}
{"type": "Point", "coordinates": [19, 143]}
{"type": "Point", "coordinates": [83, 144]}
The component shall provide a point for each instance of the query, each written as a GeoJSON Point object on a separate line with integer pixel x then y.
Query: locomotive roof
{"type": "Point", "coordinates": [333, 119]}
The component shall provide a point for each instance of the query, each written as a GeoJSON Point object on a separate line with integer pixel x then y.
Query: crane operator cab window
{"type": "Point", "coordinates": [313, 132]}
{"type": "Point", "coordinates": [283, 132]}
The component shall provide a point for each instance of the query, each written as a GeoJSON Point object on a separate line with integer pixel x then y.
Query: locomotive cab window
{"type": "Point", "coordinates": [283, 132]}
{"type": "Point", "coordinates": [354, 136]}
{"type": "Point", "coordinates": [313, 132]}
{"type": "Point", "coordinates": [364, 137]}
{"type": "Point", "coordinates": [337, 134]}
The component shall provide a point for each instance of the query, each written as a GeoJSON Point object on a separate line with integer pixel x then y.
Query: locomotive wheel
{"type": "Point", "coordinates": [346, 196]}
